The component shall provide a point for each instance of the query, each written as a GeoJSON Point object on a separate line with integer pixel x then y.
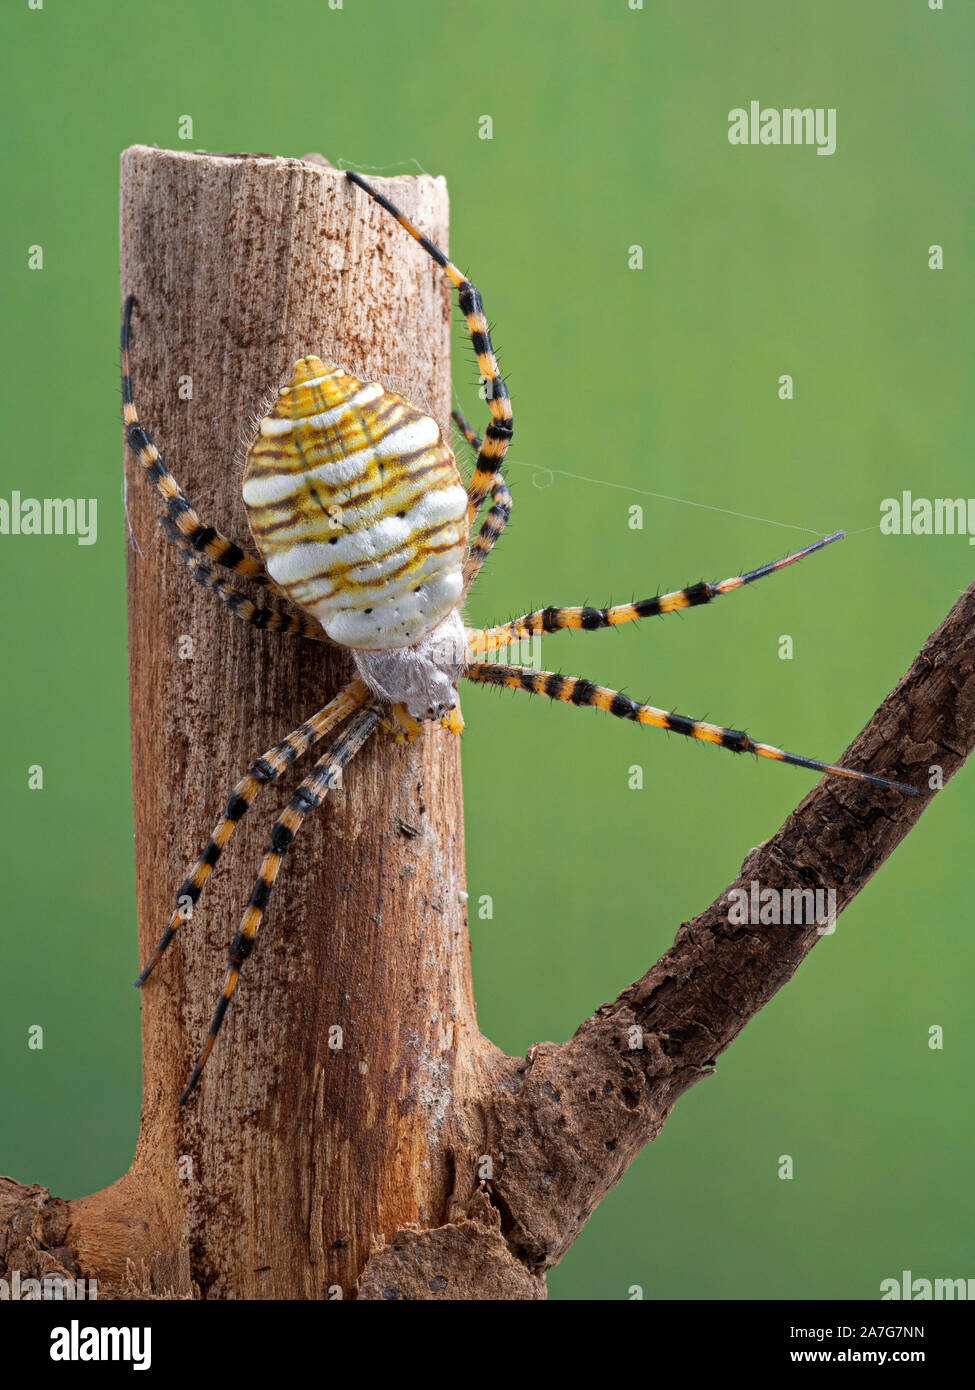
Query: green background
{"type": "Point", "coordinates": [610, 129]}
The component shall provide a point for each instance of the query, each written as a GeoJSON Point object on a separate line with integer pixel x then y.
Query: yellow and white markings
{"type": "Point", "coordinates": [357, 507]}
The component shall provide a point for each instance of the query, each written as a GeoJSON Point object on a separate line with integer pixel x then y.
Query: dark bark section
{"type": "Point", "coordinates": [34, 1233]}
{"type": "Point", "coordinates": [466, 1261]}
{"type": "Point", "coordinates": [584, 1109]}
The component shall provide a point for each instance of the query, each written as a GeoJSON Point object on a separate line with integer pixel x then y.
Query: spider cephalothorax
{"type": "Point", "coordinates": [358, 510]}
{"type": "Point", "coordinates": [422, 678]}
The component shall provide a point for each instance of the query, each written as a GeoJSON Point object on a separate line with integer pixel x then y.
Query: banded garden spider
{"type": "Point", "coordinates": [358, 510]}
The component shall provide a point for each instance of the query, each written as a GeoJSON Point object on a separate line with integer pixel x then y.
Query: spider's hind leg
{"type": "Point", "coordinates": [297, 624]}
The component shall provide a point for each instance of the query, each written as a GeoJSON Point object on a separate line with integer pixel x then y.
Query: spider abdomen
{"type": "Point", "coordinates": [358, 509]}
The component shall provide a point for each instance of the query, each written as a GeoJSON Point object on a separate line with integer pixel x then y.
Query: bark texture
{"type": "Point", "coordinates": [416, 1161]}
{"type": "Point", "coordinates": [293, 1156]}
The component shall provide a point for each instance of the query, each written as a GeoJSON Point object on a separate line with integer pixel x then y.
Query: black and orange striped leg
{"type": "Point", "coordinates": [265, 769]}
{"type": "Point", "coordinates": [498, 434]}
{"type": "Point", "coordinates": [496, 519]}
{"type": "Point", "coordinates": [206, 539]}
{"type": "Point", "coordinates": [490, 639]}
{"type": "Point", "coordinates": [297, 624]}
{"type": "Point", "coordinates": [491, 527]}
{"type": "Point", "coordinates": [576, 691]}
{"type": "Point", "coordinates": [470, 434]}
{"type": "Point", "coordinates": [309, 795]}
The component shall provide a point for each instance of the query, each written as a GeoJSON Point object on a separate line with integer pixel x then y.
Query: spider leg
{"type": "Point", "coordinates": [498, 434]}
{"type": "Point", "coordinates": [203, 538]}
{"type": "Point", "coordinates": [496, 519]}
{"type": "Point", "coordinates": [309, 795]}
{"type": "Point", "coordinates": [486, 640]}
{"type": "Point", "coordinates": [491, 528]}
{"type": "Point", "coordinates": [471, 435]}
{"type": "Point", "coordinates": [267, 768]}
{"type": "Point", "coordinates": [266, 619]}
{"type": "Point", "coordinates": [576, 691]}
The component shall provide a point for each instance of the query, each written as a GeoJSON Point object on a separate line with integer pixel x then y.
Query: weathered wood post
{"type": "Point", "coordinates": [295, 1154]}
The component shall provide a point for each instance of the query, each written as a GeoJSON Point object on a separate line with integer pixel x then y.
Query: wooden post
{"type": "Point", "coordinates": [320, 1124]}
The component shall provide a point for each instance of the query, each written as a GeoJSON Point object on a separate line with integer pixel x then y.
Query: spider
{"type": "Point", "coordinates": [359, 513]}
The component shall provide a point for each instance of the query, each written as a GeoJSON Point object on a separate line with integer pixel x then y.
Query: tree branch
{"type": "Point", "coordinates": [567, 1121]}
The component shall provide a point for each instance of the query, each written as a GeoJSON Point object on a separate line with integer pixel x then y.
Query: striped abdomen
{"type": "Point", "coordinates": [358, 509]}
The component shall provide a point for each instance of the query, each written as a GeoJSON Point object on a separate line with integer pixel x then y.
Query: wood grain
{"type": "Point", "coordinates": [292, 1158]}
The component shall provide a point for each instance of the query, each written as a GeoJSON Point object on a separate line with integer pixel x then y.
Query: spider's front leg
{"type": "Point", "coordinates": [574, 690]}
{"type": "Point", "coordinates": [265, 769]}
{"type": "Point", "coordinates": [307, 797]}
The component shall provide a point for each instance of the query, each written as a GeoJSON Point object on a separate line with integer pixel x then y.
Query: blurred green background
{"type": "Point", "coordinates": [609, 131]}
